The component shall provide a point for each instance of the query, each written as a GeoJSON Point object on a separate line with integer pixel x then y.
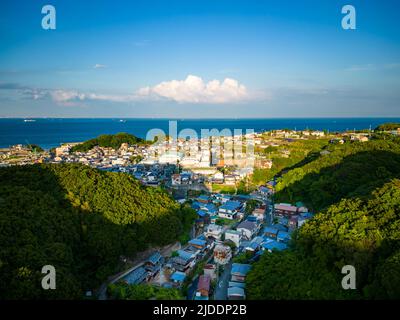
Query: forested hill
{"type": "Point", "coordinates": [351, 169]}
{"type": "Point", "coordinates": [79, 219]}
{"type": "Point", "coordinates": [356, 193]}
{"type": "Point", "coordinates": [108, 140]}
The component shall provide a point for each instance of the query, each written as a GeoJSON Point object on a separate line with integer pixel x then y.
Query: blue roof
{"type": "Point", "coordinates": [196, 205]}
{"type": "Point", "coordinates": [271, 230]}
{"type": "Point", "coordinates": [154, 258]}
{"type": "Point", "coordinates": [185, 255]}
{"type": "Point", "coordinates": [210, 207]}
{"type": "Point", "coordinates": [198, 242]}
{"type": "Point", "coordinates": [136, 276]}
{"type": "Point", "coordinates": [283, 235]}
{"type": "Point", "coordinates": [178, 276]}
{"type": "Point", "coordinates": [251, 218]}
{"type": "Point", "coordinates": [202, 213]}
{"type": "Point", "coordinates": [231, 205]}
{"type": "Point", "coordinates": [203, 197]}
{"type": "Point", "coordinates": [253, 245]}
{"type": "Point", "coordinates": [274, 245]}
{"type": "Point", "coordinates": [241, 269]}
{"type": "Point", "coordinates": [236, 284]}
{"type": "Point", "coordinates": [236, 291]}
{"type": "Point", "coordinates": [279, 226]}
{"type": "Point", "coordinates": [201, 237]}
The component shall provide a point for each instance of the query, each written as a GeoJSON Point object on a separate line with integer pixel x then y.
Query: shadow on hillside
{"type": "Point", "coordinates": [356, 175]}
{"type": "Point", "coordinates": [40, 226]}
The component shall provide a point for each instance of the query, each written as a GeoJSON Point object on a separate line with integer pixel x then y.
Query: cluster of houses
{"type": "Point", "coordinates": [237, 283]}
{"type": "Point", "coordinates": [100, 157]}
{"type": "Point", "coordinates": [219, 206]}
{"type": "Point", "coordinates": [20, 155]}
{"type": "Point", "coordinates": [147, 271]}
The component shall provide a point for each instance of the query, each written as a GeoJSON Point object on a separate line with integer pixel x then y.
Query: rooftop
{"type": "Point", "coordinates": [178, 276]}
{"type": "Point", "coordinates": [155, 258]}
{"type": "Point", "coordinates": [240, 269]}
{"type": "Point", "coordinates": [249, 225]}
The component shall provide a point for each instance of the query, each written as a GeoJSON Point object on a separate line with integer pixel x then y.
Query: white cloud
{"type": "Point", "coordinates": [99, 66]}
{"type": "Point", "coordinates": [194, 90]}
{"type": "Point", "coordinates": [66, 95]}
{"type": "Point", "coordinates": [190, 90]}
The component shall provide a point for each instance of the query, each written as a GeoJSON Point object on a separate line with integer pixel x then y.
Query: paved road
{"type": "Point", "coordinates": [223, 281]}
{"type": "Point", "coordinates": [192, 289]}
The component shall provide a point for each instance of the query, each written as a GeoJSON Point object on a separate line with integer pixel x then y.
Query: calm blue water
{"type": "Point", "coordinates": [49, 133]}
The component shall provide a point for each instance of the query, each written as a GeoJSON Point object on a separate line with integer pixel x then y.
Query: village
{"type": "Point", "coordinates": [226, 232]}
{"type": "Point", "coordinates": [231, 230]}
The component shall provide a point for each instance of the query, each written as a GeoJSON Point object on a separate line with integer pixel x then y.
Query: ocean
{"type": "Point", "coordinates": [49, 133]}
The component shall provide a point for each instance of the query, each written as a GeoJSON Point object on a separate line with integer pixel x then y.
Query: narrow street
{"type": "Point", "coordinates": [221, 290]}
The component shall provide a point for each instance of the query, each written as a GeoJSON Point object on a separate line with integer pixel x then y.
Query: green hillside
{"type": "Point", "coordinates": [108, 140]}
{"type": "Point", "coordinates": [356, 192]}
{"type": "Point", "coordinates": [79, 219]}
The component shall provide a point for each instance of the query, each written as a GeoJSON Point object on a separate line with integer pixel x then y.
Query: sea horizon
{"type": "Point", "coordinates": [51, 132]}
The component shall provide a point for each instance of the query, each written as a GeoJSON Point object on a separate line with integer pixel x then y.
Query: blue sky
{"type": "Point", "coordinates": [160, 59]}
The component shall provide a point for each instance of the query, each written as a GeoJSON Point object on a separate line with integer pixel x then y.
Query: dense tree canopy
{"type": "Point", "coordinates": [108, 140]}
{"type": "Point", "coordinates": [124, 291]}
{"type": "Point", "coordinates": [79, 219]}
{"type": "Point", "coordinates": [356, 191]}
{"type": "Point", "coordinates": [388, 126]}
{"type": "Point", "coordinates": [349, 169]}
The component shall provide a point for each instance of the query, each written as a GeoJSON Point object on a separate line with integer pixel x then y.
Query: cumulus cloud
{"type": "Point", "coordinates": [194, 90]}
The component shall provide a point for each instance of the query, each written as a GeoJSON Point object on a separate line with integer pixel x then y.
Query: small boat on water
{"type": "Point", "coordinates": [29, 120]}
{"type": "Point", "coordinates": [122, 120]}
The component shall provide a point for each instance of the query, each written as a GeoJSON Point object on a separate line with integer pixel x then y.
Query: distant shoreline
{"type": "Point", "coordinates": [50, 132]}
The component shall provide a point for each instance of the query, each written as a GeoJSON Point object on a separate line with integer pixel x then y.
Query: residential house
{"type": "Point", "coordinates": [203, 199]}
{"type": "Point", "coordinates": [178, 277]}
{"type": "Point", "coordinates": [236, 293]}
{"type": "Point", "coordinates": [234, 236]}
{"type": "Point", "coordinates": [303, 218]}
{"type": "Point", "coordinates": [293, 222]}
{"type": "Point", "coordinates": [285, 209]}
{"type": "Point", "coordinates": [229, 179]}
{"type": "Point", "coordinates": [203, 286]}
{"type": "Point", "coordinates": [176, 179]}
{"type": "Point", "coordinates": [229, 209]}
{"type": "Point", "coordinates": [259, 213]}
{"type": "Point", "coordinates": [136, 276]}
{"type": "Point", "coordinates": [198, 244]}
{"type": "Point", "coordinates": [214, 231]}
{"type": "Point", "coordinates": [255, 244]}
{"type": "Point", "coordinates": [239, 272]}
{"type": "Point", "coordinates": [274, 245]}
{"type": "Point", "coordinates": [248, 229]}
{"type": "Point", "coordinates": [271, 232]}
{"type": "Point", "coordinates": [283, 236]}
{"type": "Point", "coordinates": [210, 270]}
{"type": "Point", "coordinates": [222, 254]}
{"type": "Point", "coordinates": [154, 263]}
{"type": "Point", "coordinates": [183, 263]}
{"type": "Point", "coordinates": [218, 177]}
